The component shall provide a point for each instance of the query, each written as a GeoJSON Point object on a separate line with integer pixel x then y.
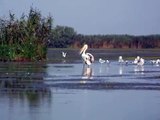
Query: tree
{"type": "Point", "coordinates": [62, 36]}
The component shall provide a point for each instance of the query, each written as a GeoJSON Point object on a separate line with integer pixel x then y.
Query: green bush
{"type": "Point", "coordinates": [25, 38]}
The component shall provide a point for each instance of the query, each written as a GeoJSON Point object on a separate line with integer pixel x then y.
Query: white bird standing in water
{"type": "Point", "coordinates": [120, 60]}
{"type": "Point", "coordinates": [139, 61]}
{"type": "Point", "coordinates": [157, 61]}
{"type": "Point", "coordinates": [87, 57]}
{"type": "Point", "coordinates": [136, 60]}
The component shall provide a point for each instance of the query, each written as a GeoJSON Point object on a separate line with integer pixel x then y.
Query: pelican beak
{"type": "Point", "coordinates": [82, 49]}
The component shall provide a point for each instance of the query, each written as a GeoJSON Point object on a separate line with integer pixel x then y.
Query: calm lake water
{"type": "Point", "coordinates": [64, 89]}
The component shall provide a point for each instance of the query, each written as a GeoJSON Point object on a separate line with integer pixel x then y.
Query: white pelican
{"type": "Point", "coordinates": [157, 61]}
{"type": "Point", "coordinates": [87, 57]}
{"type": "Point", "coordinates": [136, 60]}
{"type": "Point", "coordinates": [120, 60]}
{"type": "Point", "coordinates": [64, 54]}
{"type": "Point", "coordinates": [139, 61]}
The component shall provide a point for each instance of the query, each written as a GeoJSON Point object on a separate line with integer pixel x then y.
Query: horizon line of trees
{"type": "Point", "coordinates": [66, 37]}
{"type": "Point", "coordinates": [28, 38]}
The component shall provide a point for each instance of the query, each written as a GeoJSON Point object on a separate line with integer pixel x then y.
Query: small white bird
{"type": "Point", "coordinates": [64, 54]}
{"type": "Point", "coordinates": [101, 60]}
{"type": "Point", "coordinates": [107, 61]}
{"type": "Point", "coordinates": [87, 57]}
{"type": "Point", "coordinates": [136, 60]}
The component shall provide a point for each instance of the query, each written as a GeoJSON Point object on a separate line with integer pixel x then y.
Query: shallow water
{"type": "Point", "coordinates": [65, 89]}
{"type": "Point", "coordinates": [74, 104]}
{"type": "Point", "coordinates": [103, 76]}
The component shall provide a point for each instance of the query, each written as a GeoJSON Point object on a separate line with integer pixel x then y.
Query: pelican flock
{"type": "Point", "coordinates": [88, 58]}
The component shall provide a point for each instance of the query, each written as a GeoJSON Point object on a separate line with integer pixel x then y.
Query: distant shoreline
{"type": "Point", "coordinates": [111, 54]}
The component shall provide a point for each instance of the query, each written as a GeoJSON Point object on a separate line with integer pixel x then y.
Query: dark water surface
{"type": "Point", "coordinates": [64, 89]}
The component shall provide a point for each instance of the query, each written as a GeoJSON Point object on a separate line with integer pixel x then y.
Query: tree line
{"type": "Point", "coordinates": [28, 38]}
{"type": "Point", "coordinates": [66, 37]}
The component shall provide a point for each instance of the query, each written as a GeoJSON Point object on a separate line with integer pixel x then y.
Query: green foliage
{"type": "Point", "coordinates": [103, 41]}
{"type": "Point", "coordinates": [62, 36]}
{"type": "Point", "coordinates": [25, 38]}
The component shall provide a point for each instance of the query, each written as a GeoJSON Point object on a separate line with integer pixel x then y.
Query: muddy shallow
{"type": "Point", "coordinates": [64, 89]}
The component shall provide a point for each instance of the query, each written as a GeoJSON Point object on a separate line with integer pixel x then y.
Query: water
{"type": "Point", "coordinates": [65, 89]}
{"type": "Point", "coordinates": [83, 105]}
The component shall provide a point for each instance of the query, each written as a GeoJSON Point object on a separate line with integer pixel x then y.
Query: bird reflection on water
{"type": "Point", "coordinates": [87, 73]}
{"type": "Point", "coordinates": [139, 69]}
{"type": "Point", "coordinates": [23, 83]}
{"type": "Point", "coordinates": [120, 70]}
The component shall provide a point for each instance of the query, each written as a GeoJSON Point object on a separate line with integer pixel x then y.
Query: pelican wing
{"type": "Point", "coordinates": [91, 57]}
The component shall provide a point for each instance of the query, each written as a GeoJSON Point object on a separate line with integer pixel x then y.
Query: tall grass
{"type": "Point", "coordinates": [25, 39]}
